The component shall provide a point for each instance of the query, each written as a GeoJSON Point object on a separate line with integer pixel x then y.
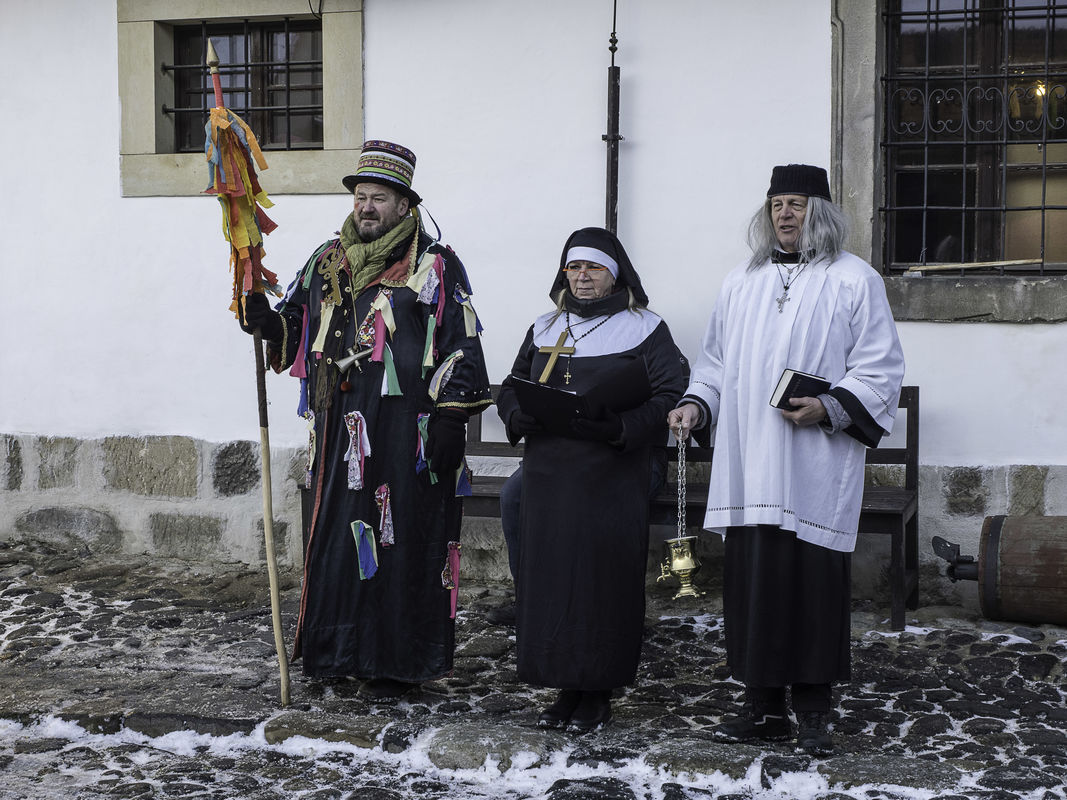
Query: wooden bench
{"type": "Point", "coordinates": [889, 510]}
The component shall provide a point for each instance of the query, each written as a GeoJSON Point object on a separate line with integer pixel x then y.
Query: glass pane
{"type": "Point", "coordinates": [1056, 229]}
{"type": "Point", "coordinates": [1025, 230]}
{"type": "Point", "coordinates": [906, 241]}
{"type": "Point", "coordinates": [948, 44]}
{"type": "Point", "coordinates": [259, 80]}
{"type": "Point", "coordinates": [948, 236]}
{"type": "Point", "coordinates": [306, 130]}
{"type": "Point", "coordinates": [931, 233]}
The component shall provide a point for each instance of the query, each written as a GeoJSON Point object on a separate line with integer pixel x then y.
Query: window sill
{"type": "Point", "coordinates": [186, 174]}
{"type": "Point", "coordinates": [990, 298]}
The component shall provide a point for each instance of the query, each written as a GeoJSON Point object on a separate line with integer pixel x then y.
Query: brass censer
{"type": "Point", "coordinates": [679, 554]}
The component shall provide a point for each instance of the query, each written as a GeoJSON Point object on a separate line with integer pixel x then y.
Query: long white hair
{"type": "Point", "coordinates": [824, 231]}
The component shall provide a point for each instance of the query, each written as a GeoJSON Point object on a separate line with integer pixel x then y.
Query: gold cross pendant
{"type": "Point", "coordinates": [554, 354]}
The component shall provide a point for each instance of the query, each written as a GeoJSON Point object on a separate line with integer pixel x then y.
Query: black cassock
{"type": "Point", "coordinates": [396, 624]}
{"type": "Point", "coordinates": [581, 584]}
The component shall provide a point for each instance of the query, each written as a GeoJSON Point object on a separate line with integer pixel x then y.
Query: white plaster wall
{"type": "Point", "coordinates": [990, 395]}
{"type": "Point", "coordinates": [116, 318]}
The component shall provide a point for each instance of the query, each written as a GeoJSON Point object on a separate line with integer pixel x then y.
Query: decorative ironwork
{"type": "Point", "coordinates": [975, 135]}
{"type": "Point", "coordinates": [272, 76]}
{"type": "Point", "coordinates": [980, 110]}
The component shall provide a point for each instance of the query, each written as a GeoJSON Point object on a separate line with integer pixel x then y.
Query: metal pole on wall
{"type": "Point", "coordinates": [612, 137]}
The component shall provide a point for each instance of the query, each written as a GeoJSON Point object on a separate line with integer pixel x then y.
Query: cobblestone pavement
{"type": "Point", "coordinates": [127, 679]}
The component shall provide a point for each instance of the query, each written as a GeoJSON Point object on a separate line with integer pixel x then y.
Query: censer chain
{"type": "Point", "coordinates": [681, 487]}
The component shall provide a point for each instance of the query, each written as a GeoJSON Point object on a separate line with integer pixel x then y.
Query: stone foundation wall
{"type": "Point", "coordinates": [171, 496]}
{"type": "Point", "coordinates": [179, 497]}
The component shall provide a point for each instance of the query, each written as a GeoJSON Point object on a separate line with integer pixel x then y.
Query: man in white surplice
{"type": "Point", "coordinates": [786, 484]}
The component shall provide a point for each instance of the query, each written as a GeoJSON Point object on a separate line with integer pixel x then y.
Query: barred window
{"type": "Point", "coordinates": [271, 75]}
{"type": "Point", "coordinates": [975, 137]}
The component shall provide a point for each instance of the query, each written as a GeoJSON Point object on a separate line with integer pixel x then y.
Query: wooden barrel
{"type": "Point", "coordinates": [1022, 569]}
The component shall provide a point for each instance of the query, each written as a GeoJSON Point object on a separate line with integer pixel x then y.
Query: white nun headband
{"type": "Point", "coordinates": [596, 256]}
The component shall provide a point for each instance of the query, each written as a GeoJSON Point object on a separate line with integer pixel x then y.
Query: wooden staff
{"type": "Point", "coordinates": [264, 450]}
{"type": "Point", "coordinates": [268, 519]}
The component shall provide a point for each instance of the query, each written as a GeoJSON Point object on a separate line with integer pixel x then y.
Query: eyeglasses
{"type": "Point", "coordinates": [586, 267]}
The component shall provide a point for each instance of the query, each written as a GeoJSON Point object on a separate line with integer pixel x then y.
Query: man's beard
{"type": "Point", "coordinates": [376, 230]}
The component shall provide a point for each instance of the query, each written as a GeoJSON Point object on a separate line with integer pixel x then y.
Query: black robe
{"type": "Point", "coordinates": [787, 609]}
{"type": "Point", "coordinates": [396, 624]}
{"type": "Point", "coordinates": [581, 584]}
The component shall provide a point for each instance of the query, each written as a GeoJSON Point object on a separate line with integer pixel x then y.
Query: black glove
{"type": "Point", "coordinates": [608, 429]}
{"type": "Point", "coordinates": [520, 424]}
{"type": "Point", "coordinates": [447, 436]}
{"type": "Point", "coordinates": [255, 312]}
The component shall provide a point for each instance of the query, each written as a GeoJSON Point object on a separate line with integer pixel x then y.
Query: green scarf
{"type": "Point", "coordinates": [367, 259]}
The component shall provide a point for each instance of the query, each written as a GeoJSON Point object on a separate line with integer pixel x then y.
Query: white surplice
{"type": "Point", "coordinates": [836, 324]}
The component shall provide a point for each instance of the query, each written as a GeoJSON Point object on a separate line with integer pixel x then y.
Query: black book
{"type": "Point", "coordinates": [795, 383]}
{"type": "Point", "coordinates": [555, 407]}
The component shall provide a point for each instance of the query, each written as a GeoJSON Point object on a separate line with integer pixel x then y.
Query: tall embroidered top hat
{"type": "Point", "coordinates": [799, 179]}
{"type": "Point", "coordinates": [387, 164]}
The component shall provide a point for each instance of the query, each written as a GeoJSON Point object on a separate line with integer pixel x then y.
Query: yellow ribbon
{"type": "Point", "coordinates": [470, 318]}
{"type": "Point", "coordinates": [381, 303]}
{"type": "Point", "coordinates": [324, 327]}
{"type": "Point", "coordinates": [419, 277]}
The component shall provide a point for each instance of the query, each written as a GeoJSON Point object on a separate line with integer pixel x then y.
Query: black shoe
{"type": "Point", "coordinates": [502, 615]}
{"type": "Point", "coordinates": [385, 689]}
{"type": "Point", "coordinates": [756, 721]}
{"type": "Point", "coordinates": [813, 735]}
{"type": "Point", "coordinates": [557, 714]}
{"type": "Point", "coordinates": [594, 710]}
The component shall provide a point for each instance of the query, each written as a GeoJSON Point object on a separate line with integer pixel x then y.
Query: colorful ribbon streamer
{"type": "Point", "coordinates": [390, 383]}
{"type": "Point", "coordinates": [382, 308]}
{"type": "Point", "coordinates": [358, 448]}
{"type": "Point", "coordinates": [464, 479]}
{"type": "Point", "coordinates": [381, 496]}
{"type": "Point", "coordinates": [325, 316]}
{"type": "Point", "coordinates": [309, 415]}
{"type": "Point", "coordinates": [426, 282]}
{"type": "Point", "coordinates": [365, 335]}
{"type": "Point", "coordinates": [423, 422]}
{"type": "Point", "coordinates": [366, 550]}
{"type": "Point", "coordinates": [231, 147]}
{"type": "Point", "coordinates": [299, 368]}
{"type": "Point", "coordinates": [472, 326]}
{"type": "Point", "coordinates": [450, 575]}
{"type": "Point", "coordinates": [426, 278]}
{"type": "Point", "coordinates": [429, 351]}
{"type": "Point", "coordinates": [443, 374]}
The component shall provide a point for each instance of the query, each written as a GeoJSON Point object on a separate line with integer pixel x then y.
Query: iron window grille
{"type": "Point", "coordinates": [271, 75]}
{"type": "Point", "coordinates": [975, 137]}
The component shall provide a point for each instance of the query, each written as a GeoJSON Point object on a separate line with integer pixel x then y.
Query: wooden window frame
{"type": "Point", "coordinates": [147, 166]}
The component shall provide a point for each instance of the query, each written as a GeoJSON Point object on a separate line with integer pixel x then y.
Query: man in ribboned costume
{"type": "Point", "coordinates": [380, 329]}
{"type": "Point", "coordinates": [580, 586]}
{"type": "Point", "coordinates": [787, 484]}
